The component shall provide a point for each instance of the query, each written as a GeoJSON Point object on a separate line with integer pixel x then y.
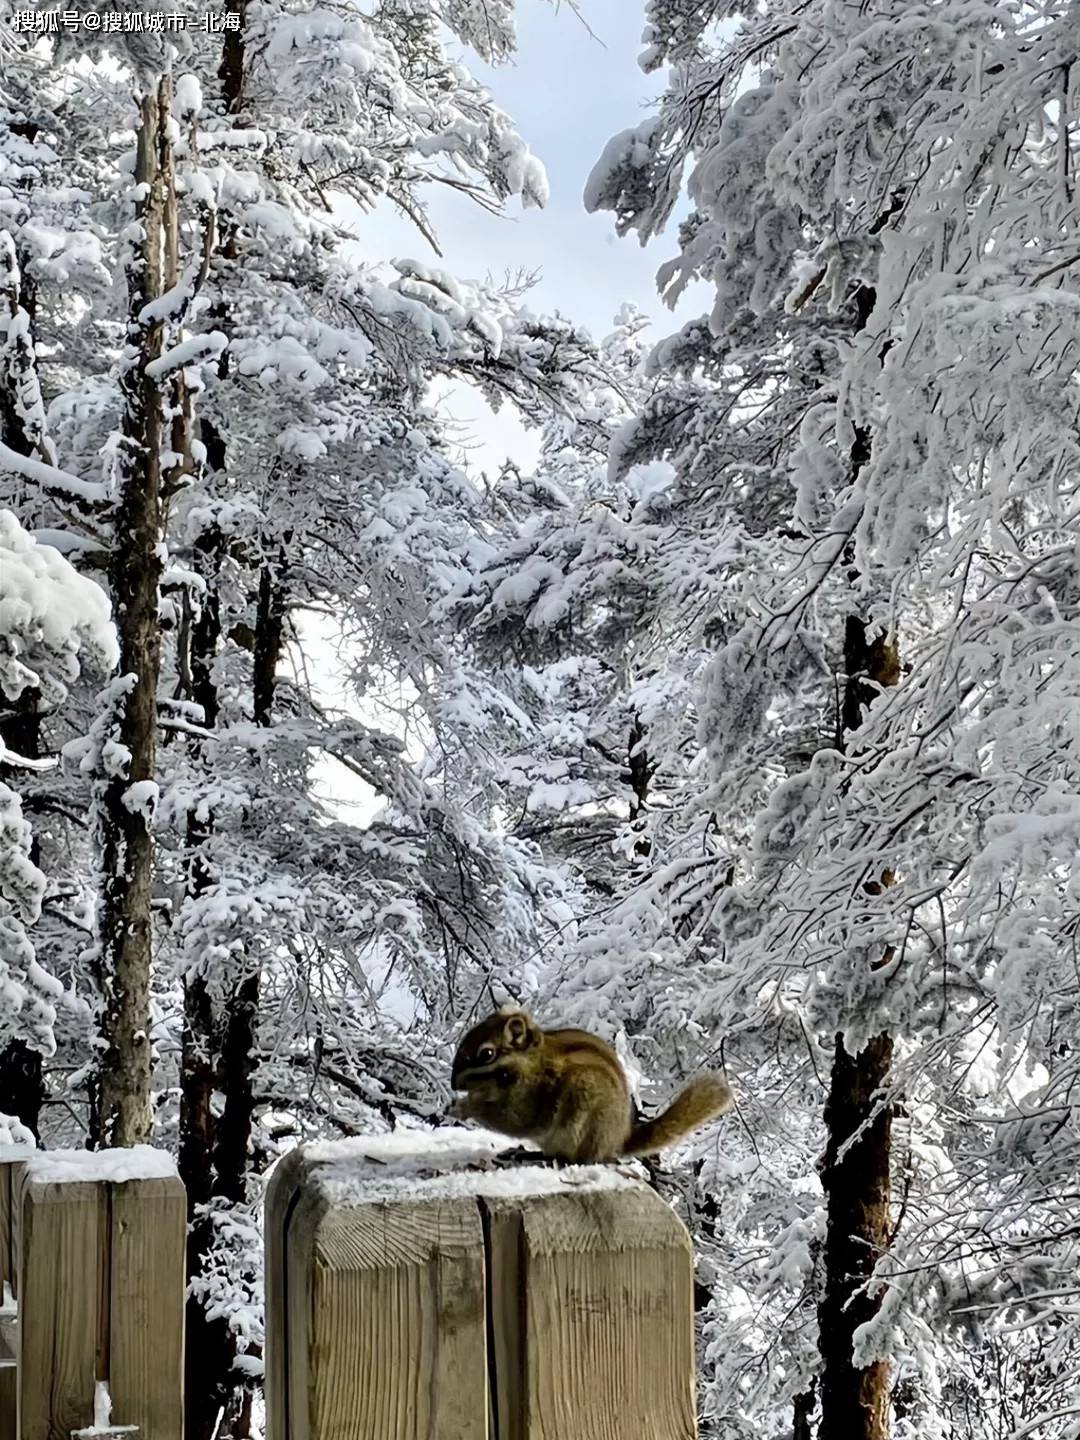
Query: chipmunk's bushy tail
{"type": "Point", "coordinates": [706, 1097]}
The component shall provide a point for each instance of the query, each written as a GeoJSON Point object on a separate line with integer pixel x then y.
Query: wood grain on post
{"type": "Point", "coordinates": [281, 1194]}
{"type": "Point", "coordinates": [12, 1159]}
{"type": "Point", "coordinates": [592, 1304]}
{"type": "Point", "coordinates": [101, 1296]}
{"type": "Point", "coordinates": [379, 1262]}
{"type": "Point", "coordinates": [375, 1323]}
{"type": "Point", "coordinates": [62, 1298]}
{"type": "Point", "coordinates": [8, 1399]}
{"type": "Point", "coordinates": [146, 1306]}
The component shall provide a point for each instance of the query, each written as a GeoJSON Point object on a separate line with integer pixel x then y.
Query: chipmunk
{"type": "Point", "coordinates": [566, 1091]}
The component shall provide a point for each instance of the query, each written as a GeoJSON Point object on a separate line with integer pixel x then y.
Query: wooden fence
{"type": "Point", "coordinates": [415, 1291]}
{"type": "Point", "coordinates": [92, 1245]}
{"type": "Point", "coordinates": [414, 1296]}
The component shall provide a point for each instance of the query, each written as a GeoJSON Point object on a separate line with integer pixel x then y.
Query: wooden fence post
{"type": "Point", "coordinates": [12, 1158]}
{"type": "Point", "coordinates": [421, 1294]}
{"type": "Point", "coordinates": [101, 1292]}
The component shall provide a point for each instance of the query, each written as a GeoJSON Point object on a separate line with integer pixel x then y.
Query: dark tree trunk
{"type": "Point", "coordinates": [20, 386]}
{"type": "Point", "coordinates": [122, 1114]}
{"type": "Point", "coordinates": [20, 400]}
{"type": "Point", "coordinates": [206, 1347]}
{"type": "Point", "coordinates": [269, 632]}
{"type": "Point", "coordinates": [855, 1402]}
{"type": "Point", "coordinates": [237, 1069]}
{"type": "Point", "coordinates": [197, 1089]}
{"type": "Point", "coordinates": [219, 1054]}
{"type": "Point", "coordinates": [241, 1022]}
{"type": "Point", "coordinates": [238, 1046]}
{"type": "Point", "coordinates": [802, 1414]}
{"type": "Point", "coordinates": [208, 1352]}
{"type": "Point", "coordinates": [231, 69]}
{"type": "Point", "coordinates": [22, 1073]}
{"type": "Point", "coordinates": [210, 1348]}
{"type": "Point", "coordinates": [22, 1084]}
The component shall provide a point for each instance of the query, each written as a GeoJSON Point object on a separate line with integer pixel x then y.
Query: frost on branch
{"type": "Point", "coordinates": [486, 25]}
{"type": "Point", "coordinates": [631, 179]}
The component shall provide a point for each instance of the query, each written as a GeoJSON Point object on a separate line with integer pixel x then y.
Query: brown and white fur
{"type": "Point", "coordinates": [566, 1092]}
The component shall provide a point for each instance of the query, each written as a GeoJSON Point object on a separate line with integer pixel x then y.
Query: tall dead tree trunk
{"type": "Point", "coordinates": [122, 1114]}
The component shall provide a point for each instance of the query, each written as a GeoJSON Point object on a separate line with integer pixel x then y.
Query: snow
{"type": "Point", "coordinates": [136, 1162]}
{"type": "Point", "coordinates": [198, 349]}
{"type": "Point", "coordinates": [16, 1141]}
{"type": "Point", "coordinates": [284, 361]}
{"type": "Point", "coordinates": [68, 542]}
{"type": "Point", "coordinates": [63, 255]}
{"type": "Point", "coordinates": [627, 151]}
{"type": "Point", "coordinates": [187, 95]}
{"type": "Point", "coordinates": [102, 1425]}
{"type": "Point", "coordinates": [141, 798]}
{"type": "Point", "coordinates": [50, 615]}
{"type": "Point", "coordinates": [171, 302]}
{"type": "Point", "coordinates": [649, 482]}
{"type": "Point", "coordinates": [443, 1164]}
{"type": "Point", "coordinates": [50, 477]}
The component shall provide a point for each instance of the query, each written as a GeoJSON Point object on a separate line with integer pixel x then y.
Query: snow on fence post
{"type": "Point", "coordinates": [415, 1290]}
{"type": "Point", "coordinates": [101, 1293]}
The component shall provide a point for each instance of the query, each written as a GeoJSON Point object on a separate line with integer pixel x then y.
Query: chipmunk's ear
{"type": "Point", "coordinates": [519, 1032]}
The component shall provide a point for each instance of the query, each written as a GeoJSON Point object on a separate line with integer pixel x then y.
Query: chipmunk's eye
{"type": "Point", "coordinates": [485, 1054]}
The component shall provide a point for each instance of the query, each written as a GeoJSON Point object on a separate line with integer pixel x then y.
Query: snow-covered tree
{"type": "Point", "coordinates": [239, 410]}
{"type": "Point", "coordinates": [739, 730]}
{"type": "Point", "coordinates": [54, 624]}
{"type": "Point", "coordinates": [872, 416]}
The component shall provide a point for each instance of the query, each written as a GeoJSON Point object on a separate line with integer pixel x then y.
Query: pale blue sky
{"type": "Point", "coordinates": [567, 94]}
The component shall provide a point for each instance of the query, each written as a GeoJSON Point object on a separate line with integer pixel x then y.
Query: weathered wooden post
{"type": "Point", "coordinates": [416, 1292]}
{"type": "Point", "coordinates": [12, 1158]}
{"type": "Point", "coordinates": [101, 1293]}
